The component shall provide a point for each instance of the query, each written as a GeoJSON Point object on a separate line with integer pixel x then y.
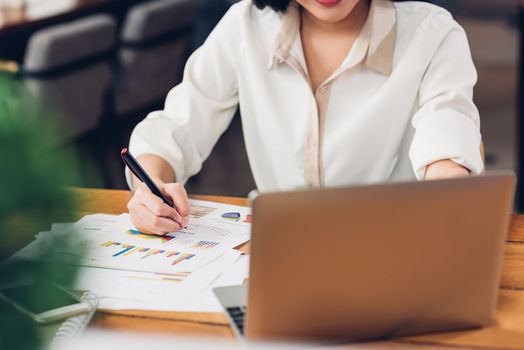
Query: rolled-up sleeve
{"type": "Point", "coordinates": [199, 109]}
{"type": "Point", "coordinates": [447, 125]}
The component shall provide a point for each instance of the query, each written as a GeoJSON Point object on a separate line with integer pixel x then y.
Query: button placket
{"type": "Point", "coordinates": [311, 149]}
{"type": "Point", "coordinates": [311, 145]}
{"type": "Point", "coordinates": [321, 98]}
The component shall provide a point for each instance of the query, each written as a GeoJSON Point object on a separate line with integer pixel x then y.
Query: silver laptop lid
{"type": "Point", "coordinates": [377, 261]}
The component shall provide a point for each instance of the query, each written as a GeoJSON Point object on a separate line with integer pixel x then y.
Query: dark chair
{"type": "Point", "coordinates": [67, 68]}
{"type": "Point", "coordinates": [154, 45]}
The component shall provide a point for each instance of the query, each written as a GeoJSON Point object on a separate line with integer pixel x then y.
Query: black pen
{"type": "Point", "coordinates": [141, 174]}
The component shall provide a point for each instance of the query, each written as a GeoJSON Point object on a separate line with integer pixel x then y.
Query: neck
{"type": "Point", "coordinates": [351, 24]}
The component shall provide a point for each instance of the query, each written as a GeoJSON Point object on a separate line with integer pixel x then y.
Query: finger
{"type": "Point", "coordinates": [135, 208]}
{"type": "Point", "coordinates": [178, 193]}
{"type": "Point", "coordinates": [136, 220]}
{"type": "Point", "coordinates": [158, 223]}
{"type": "Point", "coordinates": [149, 230]}
{"type": "Point", "coordinates": [157, 206]}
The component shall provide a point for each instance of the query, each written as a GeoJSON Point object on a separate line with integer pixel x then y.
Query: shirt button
{"type": "Point", "coordinates": [323, 90]}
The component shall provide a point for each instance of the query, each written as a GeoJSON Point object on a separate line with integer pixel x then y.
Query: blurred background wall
{"type": "Point", "coordinates": [147, 30]}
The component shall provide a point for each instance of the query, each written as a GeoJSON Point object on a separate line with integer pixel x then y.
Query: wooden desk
{"type": "Point", "coordinates": [507, 333]}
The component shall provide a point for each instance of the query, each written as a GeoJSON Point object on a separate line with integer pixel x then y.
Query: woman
{"type": "Point", "coordinates": [332, 92]}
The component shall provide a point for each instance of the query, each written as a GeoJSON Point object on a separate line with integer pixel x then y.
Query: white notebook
{"type": "Point", "coordinates": [74, 326]}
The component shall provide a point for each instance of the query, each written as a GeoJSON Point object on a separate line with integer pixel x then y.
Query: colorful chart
{"type": "Point", "coordinates": [152, 252]}
{"type": "Point", "coordinates": [205, 245]}
{"type": "Point", "coordinates": [128, 249]}
{"type": "Point", "coordinates": [178, 238]}
{"type": "Point", "coordinates": [197, 211]}
{"type": "Point", "coordinates": [138, 234]}
{"type": "Point", "coordinates": [233, 216]}
{"type": "Point", "coordinates": [180, 257]}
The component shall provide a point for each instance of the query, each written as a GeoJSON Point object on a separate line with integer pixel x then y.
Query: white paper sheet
{"type": "Point", "coordinates": [130, 270]}
{"type": "Point", "coordinates": [236, 274]}
{"type": "Point", "coordinates": [203, 301]}
{"type": "Point", "coordinates": [212, 226]}
{"type": "Point", "coordinates": [129, 290]}
{"type": "Point", "coordinates": [113, 252]}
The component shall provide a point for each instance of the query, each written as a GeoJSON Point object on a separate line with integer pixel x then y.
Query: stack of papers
{"type": "Point", "coordinates": [130, 270]}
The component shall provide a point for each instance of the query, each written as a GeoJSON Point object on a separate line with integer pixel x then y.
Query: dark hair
{"type": "Point", "coordinates": [277, 5]}
{"type": "Point", "coordinates": [282, 5]}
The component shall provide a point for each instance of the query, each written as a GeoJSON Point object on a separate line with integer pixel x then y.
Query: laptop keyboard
{"type": "Point", "coordinates": [237, 315]}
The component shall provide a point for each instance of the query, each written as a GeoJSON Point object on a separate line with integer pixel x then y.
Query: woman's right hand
{"type": "Point", "coordinates": [151, 215]}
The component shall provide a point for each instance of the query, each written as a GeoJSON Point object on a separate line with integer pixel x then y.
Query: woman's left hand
{"type": "Point", "coordinates": [445, 169]}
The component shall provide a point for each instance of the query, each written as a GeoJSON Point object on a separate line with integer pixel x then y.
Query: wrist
{"type": "Point", "coordinates": [445, 169]}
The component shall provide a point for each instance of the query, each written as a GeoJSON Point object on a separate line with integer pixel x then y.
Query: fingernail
{"type": "Point", "coordinates": [185, 221]}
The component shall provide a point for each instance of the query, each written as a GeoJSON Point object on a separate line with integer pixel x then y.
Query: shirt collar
{"type": "Point", "coordinates": [379, 36]}
{"type": "Point", "coordinates": [288, 34]}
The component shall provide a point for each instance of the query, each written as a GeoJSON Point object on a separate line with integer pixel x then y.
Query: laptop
{"type": "Point", "coordinates": [378, 261]}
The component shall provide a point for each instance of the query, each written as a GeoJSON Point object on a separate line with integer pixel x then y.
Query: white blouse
{"type": "Point", "coordinates": [401, 100]}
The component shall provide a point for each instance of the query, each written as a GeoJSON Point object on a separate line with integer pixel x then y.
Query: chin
{"type": "Point", "coordinates": [329, 15]}
{"type": "Point", "coordinates": [334, 12]}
